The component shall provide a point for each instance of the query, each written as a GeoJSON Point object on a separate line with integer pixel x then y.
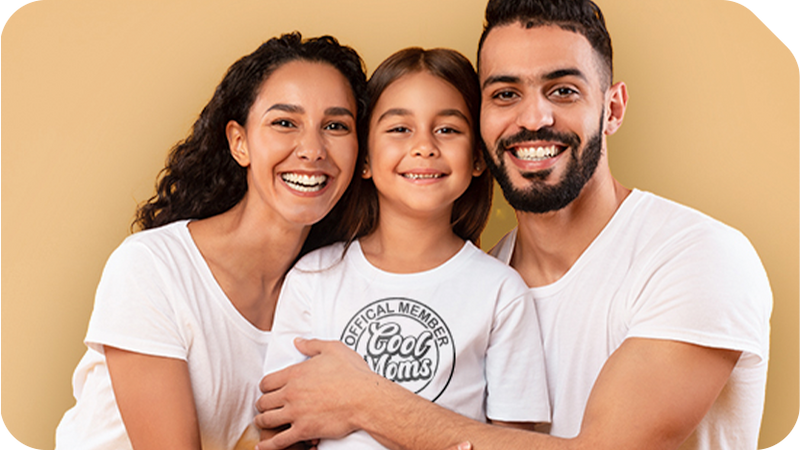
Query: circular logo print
{"type": "Point", "coordinates": [406, 342]}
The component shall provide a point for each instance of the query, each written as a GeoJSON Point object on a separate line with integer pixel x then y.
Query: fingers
{"type": "Point", "coordinates": [280, 441]}
{"type": "Point", "coordinates": [275, 380]}
{"type": "Point", "coordinates": [312, 347]}
{"type": "Point", "coordinates": [462, 446]}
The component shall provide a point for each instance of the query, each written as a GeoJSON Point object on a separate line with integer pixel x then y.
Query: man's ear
{"type": "Point", "coordinates": [616, 102]}
{"type": "Point", "coordinates": [237, 143]}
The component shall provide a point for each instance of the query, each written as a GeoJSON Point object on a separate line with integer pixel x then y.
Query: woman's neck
{"type": "Point", "coordinates": [405, 244]}
{"type": "Point", "coordinates": [249, 256]}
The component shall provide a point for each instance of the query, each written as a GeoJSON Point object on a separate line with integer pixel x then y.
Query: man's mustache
{"type": "Point", "coordinates": [542, 134]}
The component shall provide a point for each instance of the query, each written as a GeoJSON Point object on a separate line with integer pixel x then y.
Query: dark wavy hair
{"type": "Point", "coordinates": [201, 179]}
{"type": "Point", "coordinates": [579, 16]}
{"type": "Point", "coordinates": [471, 210]}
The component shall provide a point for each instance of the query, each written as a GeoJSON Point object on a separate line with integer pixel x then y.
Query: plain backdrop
{"type": "Point", "coordinates": [94, 93]}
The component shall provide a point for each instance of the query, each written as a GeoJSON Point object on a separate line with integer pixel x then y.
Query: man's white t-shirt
{"type": "Point", "coordinates": [658, 270]}
{"type": "Point", "coordinates": [464, 334]}
{"type": "Point", "coordinates": [157, 296]}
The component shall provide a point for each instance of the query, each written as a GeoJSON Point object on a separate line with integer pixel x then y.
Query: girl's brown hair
{"type": "Point", "coordinates": [471, 209]}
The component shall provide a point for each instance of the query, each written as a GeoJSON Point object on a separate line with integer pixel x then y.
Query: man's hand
{"type": "Point", "coordinates": [317, 398]}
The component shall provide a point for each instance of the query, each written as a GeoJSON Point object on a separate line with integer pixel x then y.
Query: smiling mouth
{"type": "Point", "coordinates": [537, 153]}
{"type": "Point", "coordinates": [422, 176]}
{"type": "Point", "coordinates": [305, 183]}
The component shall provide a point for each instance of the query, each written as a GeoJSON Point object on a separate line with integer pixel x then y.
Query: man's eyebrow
{"type": "Point", "coordinates": [500, 79]}
{"type": "Point", "coordinates": [561, 73]}
{"type": "Point", "coordinates": [554, 75]}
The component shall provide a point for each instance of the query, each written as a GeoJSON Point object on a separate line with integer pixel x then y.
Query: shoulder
{"type": "Point", "coordinates": [505, 247]}
{"type": "Point", "coordinates": [168, 245]}
{"type": "Point", "coordinates": [489, 270]}
{"type": "Point", "coordinates": [323, 258]}
{"type": "Point", "coordinates": [677, 228]}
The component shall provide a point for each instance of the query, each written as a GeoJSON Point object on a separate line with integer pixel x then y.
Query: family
{"type": "Point", "coordinates": [307, 273]}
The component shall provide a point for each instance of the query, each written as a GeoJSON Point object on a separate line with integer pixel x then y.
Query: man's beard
{"type": "Point", "coordinates": [540, 197]}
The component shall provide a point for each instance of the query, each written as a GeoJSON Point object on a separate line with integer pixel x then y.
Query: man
{"type": "Point", "coordinates": [655, 318]}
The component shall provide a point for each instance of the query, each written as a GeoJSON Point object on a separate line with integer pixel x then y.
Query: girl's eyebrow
{"type": "Point", "coordinates": [453, 112]}
{"type": "Point", "coordinates": [405, 112]}
{"type": "Point", "coordinates": [394, 112]}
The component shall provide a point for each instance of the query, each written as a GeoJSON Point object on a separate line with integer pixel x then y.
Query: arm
{"type": "Point", "coordinates": [155, 400]}
{"type": "Point", "coordinates": [650, 394]}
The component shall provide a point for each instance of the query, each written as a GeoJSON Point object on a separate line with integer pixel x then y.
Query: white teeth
{"type": "Point", "coordinates": [536, 153]}
{"type": "Point", "coordinates": [304, 183]}
{"type": "Point", "coordinates": [422, 176]}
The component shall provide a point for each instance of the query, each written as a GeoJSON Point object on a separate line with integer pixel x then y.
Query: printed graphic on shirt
{"type": "Point", "coordinates": [406, 342]}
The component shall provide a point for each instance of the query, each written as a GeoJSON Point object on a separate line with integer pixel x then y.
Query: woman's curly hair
{"type": "Point", "coordinates": [201, 179]}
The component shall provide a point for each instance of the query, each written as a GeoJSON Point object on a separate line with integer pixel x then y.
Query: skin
{"type": "Point", "coordinates": [303, 121]}
{"type": "Point", "coordinates": [531, 78]}
{"type": "Point", "coordinates": [419, 127]}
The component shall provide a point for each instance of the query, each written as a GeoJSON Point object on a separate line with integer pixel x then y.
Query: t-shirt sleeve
{"type": "Point", "coordinates": [516, 381]}
{"type": "Point", "coordinates": [134, 306]}
{"type": "Point", "coordinates": [292, 320]}
{"type": "Point", "coordinates": [706, 287]}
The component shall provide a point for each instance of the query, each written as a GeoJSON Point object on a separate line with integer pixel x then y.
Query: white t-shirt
{"type": "Point", "coordinates": [157, 296]}
{"type": "Point", "coordinates": [464, 334]}
{"type": "Point", "coordinates": [663, 271]}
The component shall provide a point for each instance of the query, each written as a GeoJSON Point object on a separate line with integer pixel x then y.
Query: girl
{"type": "Point", "coordinates": [409, 291]}
{"type": "Point", "coordinates": [183, 311]}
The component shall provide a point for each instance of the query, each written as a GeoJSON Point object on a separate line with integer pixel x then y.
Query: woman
{"type": "Point", "coordinates": [182, 313]}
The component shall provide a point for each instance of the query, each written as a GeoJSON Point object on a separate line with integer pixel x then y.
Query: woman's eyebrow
{"type": "Point", "coordinates": [286, 107]}
{"type": "Point", "coordinates": [339, 111]}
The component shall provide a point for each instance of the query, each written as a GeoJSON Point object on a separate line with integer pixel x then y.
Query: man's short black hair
{"type": "Point", "coordinates": [579, 16]}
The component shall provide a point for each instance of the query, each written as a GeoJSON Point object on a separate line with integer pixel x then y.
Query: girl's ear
{"type": "Point", "coordinates": [366, 172]}
{"type": "Point", "coordinates": [478, 166]}
{"type": "Point", "coordinates": [237, 143]}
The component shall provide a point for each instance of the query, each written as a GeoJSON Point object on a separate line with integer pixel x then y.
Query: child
{"type": "Point", "coordinates": [410, 292]}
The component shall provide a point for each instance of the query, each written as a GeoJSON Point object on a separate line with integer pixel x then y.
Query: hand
{"type": "Point", "coordinates": [461, 446]}
{"type": "Point", "coordinates": [318, 398]}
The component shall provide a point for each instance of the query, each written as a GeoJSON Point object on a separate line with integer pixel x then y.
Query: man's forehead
{"type": "Point", "coordinates": [518, 51]}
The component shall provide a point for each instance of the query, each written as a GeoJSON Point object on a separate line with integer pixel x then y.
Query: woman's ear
{"type": "Point", "coordinates": [237, 143]}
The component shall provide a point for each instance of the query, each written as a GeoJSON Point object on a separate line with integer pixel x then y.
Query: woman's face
{"type": "Point", "coordinates": [420, 146]}
{"type": "Point", "coordinates": [299, 143]}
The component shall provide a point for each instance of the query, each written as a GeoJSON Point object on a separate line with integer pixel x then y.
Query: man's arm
{"type": "Point", "coordinates": [650, 394]}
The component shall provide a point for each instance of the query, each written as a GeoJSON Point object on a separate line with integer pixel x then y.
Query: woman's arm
{"type": "Point", "coordinates": [155, 399]}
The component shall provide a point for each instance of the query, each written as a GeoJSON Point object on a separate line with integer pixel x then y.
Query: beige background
{"type": "Point", "coordinates": [94, 93]}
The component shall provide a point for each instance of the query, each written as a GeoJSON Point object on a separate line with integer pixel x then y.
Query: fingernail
{"type": "Point", "coordinates": [464, 446]}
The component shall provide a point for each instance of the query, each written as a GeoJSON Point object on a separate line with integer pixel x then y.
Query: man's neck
{"type": "Point", "coordinates": [548, 244]}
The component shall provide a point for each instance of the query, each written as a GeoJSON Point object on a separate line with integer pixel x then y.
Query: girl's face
{"type": "Point", "coordinates": [420, 146]}
{"type": "Point", "coordinates": [299, 143]}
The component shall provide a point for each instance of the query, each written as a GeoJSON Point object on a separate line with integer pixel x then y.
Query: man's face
{"type": "Point", "coordinates": [542, 114]}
